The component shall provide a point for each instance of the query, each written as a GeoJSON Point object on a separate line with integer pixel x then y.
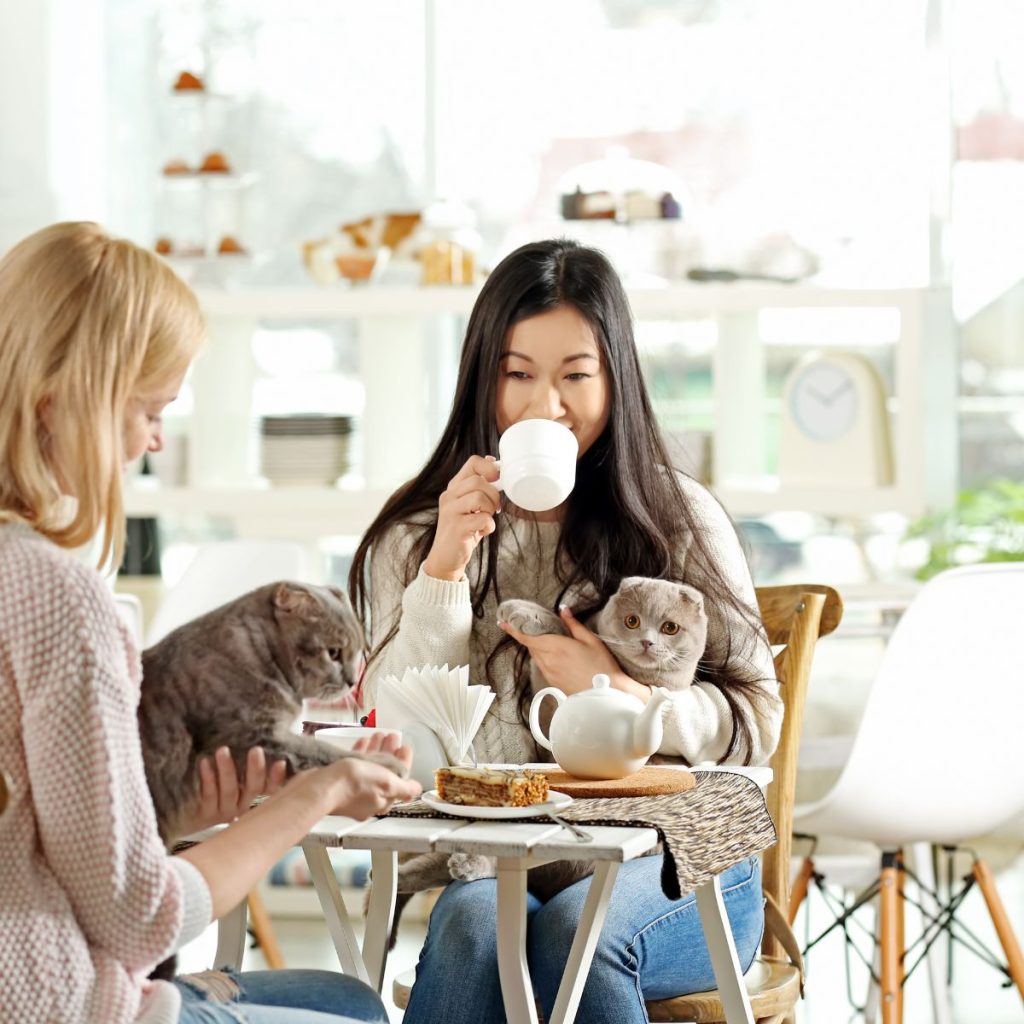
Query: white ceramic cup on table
{"type": "Point", "coordinates": [537, 464]}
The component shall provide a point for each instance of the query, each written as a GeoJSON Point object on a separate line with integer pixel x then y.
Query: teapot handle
{"type": "Point", "coordinates": [535, 713]}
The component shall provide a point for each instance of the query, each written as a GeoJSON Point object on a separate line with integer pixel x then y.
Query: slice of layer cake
{"type": "Point", "coordinates": [491, 787]}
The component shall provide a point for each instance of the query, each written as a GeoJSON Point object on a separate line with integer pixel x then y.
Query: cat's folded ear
{"type": "Point", "coordinates": [632, 583]}
{"type": "Point", "coordinates": [691, 595]}
{"type": "Point", "coordinates": [294, 598]}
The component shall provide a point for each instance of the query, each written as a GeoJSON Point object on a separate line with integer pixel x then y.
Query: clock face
{"type": "Point", "coordinates": [823, 401]}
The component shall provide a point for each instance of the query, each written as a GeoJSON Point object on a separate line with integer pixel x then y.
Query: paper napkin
{"type": "Point", "coordinates": [440, 698]}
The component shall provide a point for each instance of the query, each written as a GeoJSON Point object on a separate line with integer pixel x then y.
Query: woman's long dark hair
{"type": "Point", "coordinates": [626, 515]}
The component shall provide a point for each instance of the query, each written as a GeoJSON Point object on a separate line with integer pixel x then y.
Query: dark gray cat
{"type": "Point", "coordinates": [236, 677]}
{"type": "Point", "coordinates": [657, 632]}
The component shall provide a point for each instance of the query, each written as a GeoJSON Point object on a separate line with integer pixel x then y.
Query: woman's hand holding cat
{"type": "Point", "coordinates": [568, 662]}
{"type": "Point", "coordinates": [233, 860]}
{"type": "Point", "coordinates": [222, 798]}
{"type": "Point", "coordinates": [465, 515]}
{"type": "Point", "coordinates": [369, 788]}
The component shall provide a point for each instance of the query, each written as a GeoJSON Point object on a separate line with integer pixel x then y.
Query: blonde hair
{"type": "Point", "coordinates": [86, 322]}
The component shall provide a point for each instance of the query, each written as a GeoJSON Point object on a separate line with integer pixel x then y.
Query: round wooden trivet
{"type": "Point", "coordinates": [651, 780]}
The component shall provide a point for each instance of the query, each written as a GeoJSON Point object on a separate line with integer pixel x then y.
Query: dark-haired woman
{"type": "Point", "coordinates": [551, 337]}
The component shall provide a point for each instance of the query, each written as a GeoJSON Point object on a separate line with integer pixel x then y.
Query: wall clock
{"type": "Point", "coordinates": [835, 426]}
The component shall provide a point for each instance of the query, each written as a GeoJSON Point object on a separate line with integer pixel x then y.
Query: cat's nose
{"type": "Point", "coordinates": [646, 644]}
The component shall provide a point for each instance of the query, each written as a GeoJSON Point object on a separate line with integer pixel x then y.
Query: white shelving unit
{"type": "Point", "coordinates": [399, 356]}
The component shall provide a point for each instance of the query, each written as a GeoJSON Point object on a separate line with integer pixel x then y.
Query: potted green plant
{"type": "Point", "coordinates": [985, 525]}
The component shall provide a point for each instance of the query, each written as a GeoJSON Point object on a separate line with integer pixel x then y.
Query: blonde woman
{"type": "Point", "coordinates": [96, 335]}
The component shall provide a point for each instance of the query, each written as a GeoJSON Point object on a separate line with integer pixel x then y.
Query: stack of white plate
{"type": "Point", "coordinates": [304, 448]}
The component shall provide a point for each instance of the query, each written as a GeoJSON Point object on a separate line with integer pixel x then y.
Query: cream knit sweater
{"type": "Point", "coordinates": [437, 626]}
{"type": "Point", "coordinates": [90, 901]}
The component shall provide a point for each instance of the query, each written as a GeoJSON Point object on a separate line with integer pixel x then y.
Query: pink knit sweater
{"type": "Point", "coordinates": [89, 900]}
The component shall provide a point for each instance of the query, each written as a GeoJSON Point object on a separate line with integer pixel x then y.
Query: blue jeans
{"type": "Point", "coordinates": [278, 997]}
{"type": "Point", "coordinates": [650, 947]}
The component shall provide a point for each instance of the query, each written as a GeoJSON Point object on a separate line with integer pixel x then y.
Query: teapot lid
{"type": "Point", "coordinates": [602, 687]}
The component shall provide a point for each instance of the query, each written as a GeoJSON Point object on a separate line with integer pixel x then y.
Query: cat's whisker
{"type": "Point", "coordinates": [678, 657]}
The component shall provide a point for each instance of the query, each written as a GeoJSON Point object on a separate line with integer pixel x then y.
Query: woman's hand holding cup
{"type": "Point", "coordinates": [465, 515]}
{"type": "Point", "coordinates": [537, 470]}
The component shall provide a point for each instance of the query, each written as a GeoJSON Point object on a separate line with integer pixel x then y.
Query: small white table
{"type": "Point", "coordinates": [517, 847]}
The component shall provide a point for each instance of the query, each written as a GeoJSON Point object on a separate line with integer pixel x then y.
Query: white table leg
{"type": "Point", "coordinates": [231, 939]}
{"type": "Point", "coordinates": [380, 914]}
{"type": "Point", "coordinates": [726, 964]}
{"type": "Point", "coordinates": [577, 967]}
{"type": "Point", "coordinates": [336, 915]}
{"type": "Point", "coordinates": [513, 970]}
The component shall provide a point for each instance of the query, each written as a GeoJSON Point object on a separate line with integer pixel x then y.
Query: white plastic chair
{"type": "Point", "coordinates": [130, 609]}
{"type": "Point", "coordinates": [937, 759]}
{"type": "Point", "coordinates": [222, 571]}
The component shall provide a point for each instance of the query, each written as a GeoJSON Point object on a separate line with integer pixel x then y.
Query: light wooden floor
{"type": "Point", "coordinates": [978, 997]}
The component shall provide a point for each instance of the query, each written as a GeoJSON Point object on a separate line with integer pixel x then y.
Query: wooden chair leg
{"type": "Point", "coordinates": [889, 930]}
{"type": "Point", "coordinates": [901, 931]}
{"type": "Point", "coordinates": [259, 920]}
{"type": "Point", "coordinates": [1011, 947]}
{"type": "Point", "coordinates": [799, 891]}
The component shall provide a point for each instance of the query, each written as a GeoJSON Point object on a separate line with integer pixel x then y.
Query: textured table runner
{"type": "Point", "coordinates": [723, 820]}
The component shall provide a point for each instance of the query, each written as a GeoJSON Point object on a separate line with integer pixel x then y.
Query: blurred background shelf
{"type": "Point", "coordinates": [714, 355]}
{"type": "Point", "coordinates": [334, 510]}
{"type": "Point", "coordinates": [646, 302]}
{"type": "Point", "coordinates": [321, 509]}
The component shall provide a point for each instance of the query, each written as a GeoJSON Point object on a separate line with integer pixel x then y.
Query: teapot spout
{"type": "Point", "coordinates": [647, 728]}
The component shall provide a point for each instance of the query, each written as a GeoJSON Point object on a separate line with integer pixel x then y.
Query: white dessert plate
{"type": "Point", "coordinates": [557, 802]}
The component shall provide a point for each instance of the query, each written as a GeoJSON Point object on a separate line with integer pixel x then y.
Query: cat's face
{"type": "Point", "coordinates": [654, 626]}
{"type": "Point", "coordinates": [322, 636]}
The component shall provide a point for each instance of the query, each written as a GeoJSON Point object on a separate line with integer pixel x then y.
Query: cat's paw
{"type": "Point", "coordinates": [468, 867]}
{"type": "Point", "coordinates": [529, 617]}
{"type": "Point", "coordinates": [400, 768]}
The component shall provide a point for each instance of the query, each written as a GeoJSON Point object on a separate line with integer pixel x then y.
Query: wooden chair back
{"type": "Point", "coordinates": [794, 616]}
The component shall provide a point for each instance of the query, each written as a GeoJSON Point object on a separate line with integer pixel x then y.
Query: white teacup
{"type": "Point", "coordinates": [345, 736]}
{"type": "Point", "coordinates": [537, 463]}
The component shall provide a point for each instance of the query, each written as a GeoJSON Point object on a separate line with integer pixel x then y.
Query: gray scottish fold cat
{"type": "Point", "coordinates": [236, 677]}
{"type": "Point", "coordinates": [657, 631]}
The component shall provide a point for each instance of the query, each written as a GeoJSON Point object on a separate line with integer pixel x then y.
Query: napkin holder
{"type": "Point", "coordinates": [427, 753]}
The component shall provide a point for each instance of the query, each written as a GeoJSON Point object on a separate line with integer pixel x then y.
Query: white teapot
{"type": "Point", "coordinates": [601, 733]}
